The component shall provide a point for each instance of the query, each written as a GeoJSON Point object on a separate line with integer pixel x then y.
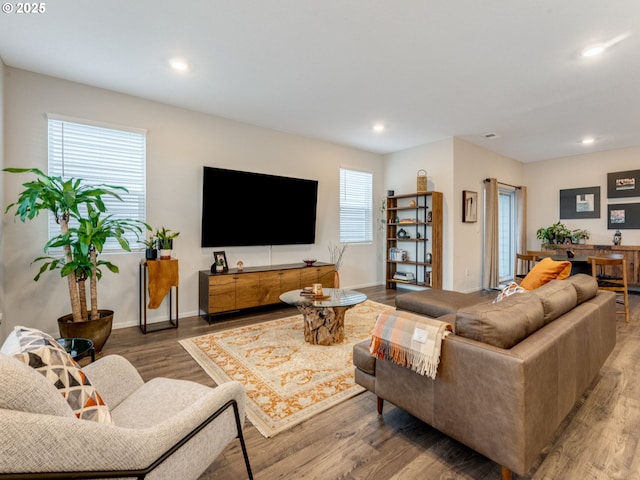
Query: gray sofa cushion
{"type": "Point", "coordinates": [502, 324]}
{"type": "Point", "coordinates": [434, 302]}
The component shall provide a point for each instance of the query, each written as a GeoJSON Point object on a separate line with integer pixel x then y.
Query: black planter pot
{"type": "Point", "coordinates": [151, 254]}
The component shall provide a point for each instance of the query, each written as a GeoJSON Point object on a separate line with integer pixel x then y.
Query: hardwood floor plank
{"type": "Point", "coordinates": [600, 439]}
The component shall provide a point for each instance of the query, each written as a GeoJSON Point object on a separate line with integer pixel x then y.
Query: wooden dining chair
{"type": "Point", "coordinates": [542, 253]}
{"type": "Point", "coordinates": [611, 274]}
{"type": "Point", "coordinates": [523, 264]}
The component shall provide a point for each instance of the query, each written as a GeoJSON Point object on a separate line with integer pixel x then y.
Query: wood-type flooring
{"type": "Point", "coordinates": [600, 439]}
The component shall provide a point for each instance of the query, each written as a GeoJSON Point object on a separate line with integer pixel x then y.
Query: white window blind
{"type": "Point", "coordinates": [356, 206]}
{"type": "Point", "coordinates": [100, 155]}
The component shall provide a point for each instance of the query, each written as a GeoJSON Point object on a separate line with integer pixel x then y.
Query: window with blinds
{"type": "Point", "coordinates": [101, 155]}
{"type": "Point", "coordinates": [356, 206]}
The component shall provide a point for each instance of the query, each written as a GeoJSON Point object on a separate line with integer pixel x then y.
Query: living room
{"type": "Point", "coordinates": [180, 141]}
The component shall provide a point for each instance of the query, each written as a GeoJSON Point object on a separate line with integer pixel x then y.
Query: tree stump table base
{"type": "Point", "coordinates": [323, 326]}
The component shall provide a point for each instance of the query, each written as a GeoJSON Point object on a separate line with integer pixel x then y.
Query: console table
{"type": "Point", "coordinates": [235, 290]}
{"type": "Point", "coordinates": [631, 254]}
{"type": "Point", "coordinates": [164, 273]}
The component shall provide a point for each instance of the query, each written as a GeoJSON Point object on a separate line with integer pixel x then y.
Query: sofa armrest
{"type": "Point", "coordinates": [46, 443]}
{"type": "Point", "coordinates": [114, 377]}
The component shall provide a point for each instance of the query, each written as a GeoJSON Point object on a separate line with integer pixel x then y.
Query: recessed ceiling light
{"type": "Point", "coordinates": [379, 127]}
{"type": "Point", "coordinates": [587, 140]}
{"type": "Point", "coordinates": [598, 48]}
{"type": "Point", "coordinates": [593, 50]}
{"type": "Point", "coordinates": [179, 64]}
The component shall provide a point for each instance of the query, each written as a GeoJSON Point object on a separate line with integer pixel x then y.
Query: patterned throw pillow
{"type": "Point", "coordinates": [510, 289]}
{"type": "Point", "coordinates": [41, 351]}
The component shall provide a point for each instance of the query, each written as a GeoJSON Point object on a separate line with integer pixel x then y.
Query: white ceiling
{"type": "Point", "coordinates": [330, 69]}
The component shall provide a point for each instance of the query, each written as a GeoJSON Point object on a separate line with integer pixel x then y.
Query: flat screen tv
{"type": "Point", "coordinates": [244, 209]}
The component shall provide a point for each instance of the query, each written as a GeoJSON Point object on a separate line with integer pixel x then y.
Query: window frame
{"type": "Point", "coordinates": [355, 214]}
{"type": "Point", "coordinates": [118, 157]}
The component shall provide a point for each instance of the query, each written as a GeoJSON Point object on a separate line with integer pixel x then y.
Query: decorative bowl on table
{"type": "Point", "coordinates": [309, 262]}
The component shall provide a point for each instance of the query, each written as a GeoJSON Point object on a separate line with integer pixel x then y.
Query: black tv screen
{"type": "Point", "coordinates": [244, 209]}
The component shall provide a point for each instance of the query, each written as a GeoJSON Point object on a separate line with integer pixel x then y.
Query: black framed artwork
{"type": "Point", "coordinates": [220, 258]}
{"type": "Point", "coordinates": [469, 206]}
{"type": "Point", "coordinates": [623, 216]}
{"type": "Point", "coordinates": [623, 184]}
{"type": "Point", "coordinates": [580, 203]}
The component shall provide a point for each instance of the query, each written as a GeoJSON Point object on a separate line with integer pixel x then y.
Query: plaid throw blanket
{"type": "Point", "coordinates": [409, 340]}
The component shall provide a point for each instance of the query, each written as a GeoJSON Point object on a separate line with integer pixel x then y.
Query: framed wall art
{"type": "Point", "coordinates": [623, 184]}
{"type": "Point", "coordinates": [580, 203]}
{"type": "Point", "coordinates": [623, 216]}
{"type": "Point", "coordinates": [469, 206]}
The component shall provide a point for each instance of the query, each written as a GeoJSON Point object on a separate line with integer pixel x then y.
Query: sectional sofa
{"type": "Point", "coordinates": [511, 371]}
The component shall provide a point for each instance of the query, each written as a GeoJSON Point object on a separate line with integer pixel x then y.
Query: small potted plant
{"type": "Point", "coordinates": [165, 242]}
{"type": "Point", "coordinates": [151, 248]}
{"type": "Point", "coordinates": [579, 236]}
{"type": "Point", "coordinates": [556, 234]}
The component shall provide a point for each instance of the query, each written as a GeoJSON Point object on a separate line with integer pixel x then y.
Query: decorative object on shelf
{"type": "Point", "coordinates": [336, 254]}
{"type": "Point", "coordinates": [469, 206]}
{"type": "Point", "coordinates": [309, 262]}
{"type": "Point", "coordinates": [390, 193]}
{"type": "Point", "coordinates": [617, 238]}
{"type": "Point", "coordinates": [429, 216]}
{"type": "Point", "coordinates": [422, 181]}
{"type": "Point", "coordinates": [73, 199]}
{"type": "Point", "coordinates": [240, 265]}
{"type": "Point", "coordinates": [429, 257]}
{"type": "Point", "coordinates": [165, 242]}
{"type": "Point", "coordinates": [571, 254]}
{"type": "Point", "coordinates": [219, 262]}
{"type": "Point", "coordinates": [402, 233]}
{"type": "Point", "coordinates": [412, 203]}
{"type": "Point", "coordinates": [556, 234]}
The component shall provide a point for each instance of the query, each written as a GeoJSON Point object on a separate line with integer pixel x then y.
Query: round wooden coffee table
{"type": "Point", "coordinates": [324, 315]}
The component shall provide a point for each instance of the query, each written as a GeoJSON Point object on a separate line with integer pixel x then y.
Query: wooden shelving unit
{"type": "Point", "coordinates": [414, 226]}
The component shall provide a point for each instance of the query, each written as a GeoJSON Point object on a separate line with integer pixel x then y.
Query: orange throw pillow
{"type": "Point", "coordinates": [544, 271]}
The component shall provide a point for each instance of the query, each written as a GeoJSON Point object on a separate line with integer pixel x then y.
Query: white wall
{"type": "Point", "coordinates": [2, 201]}
{"type": "Point", "coordinates": [472, 164]}
{"type": "Point", "coordinates": [400, 175]}
{"type": "Point", "coordinates": [546, 178]}
{"type": "Point", "coordinates": [179, 143]}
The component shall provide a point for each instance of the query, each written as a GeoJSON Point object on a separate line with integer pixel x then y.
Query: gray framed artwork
{"type": "Point", "coordinates": [623, 184]}
{"type": "Point", "coordinates": [580, 203]}
{"type": "Point", "coordinates": [623, 216]}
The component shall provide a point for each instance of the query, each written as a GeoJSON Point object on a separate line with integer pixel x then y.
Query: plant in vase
{"type": "Point", "coordinates": [556, 234]}
{"type": "Point", "coordinates": [78, 209]}
{"type": "Point", "coordinates": [165, 242]}
{"type": "Point", "coordinates": [150, 248]}
{"type": "Point", "coordinates": [336, 252]}
{"type": "Point", "coordinates": [579, 236]}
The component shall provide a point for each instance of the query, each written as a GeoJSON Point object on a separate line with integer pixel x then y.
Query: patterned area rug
{"type": "Point", "coordinates": [287, 380]}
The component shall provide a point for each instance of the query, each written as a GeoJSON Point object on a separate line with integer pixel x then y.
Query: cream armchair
{"type": "Point", "coordinates": [162, 429]}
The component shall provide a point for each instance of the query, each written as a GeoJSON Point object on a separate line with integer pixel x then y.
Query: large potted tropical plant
{"type": "Point", "coordinates": [84, 229]}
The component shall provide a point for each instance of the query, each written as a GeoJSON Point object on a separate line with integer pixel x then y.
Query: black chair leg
{"type": "Point", "coordinates": [241, 438]}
